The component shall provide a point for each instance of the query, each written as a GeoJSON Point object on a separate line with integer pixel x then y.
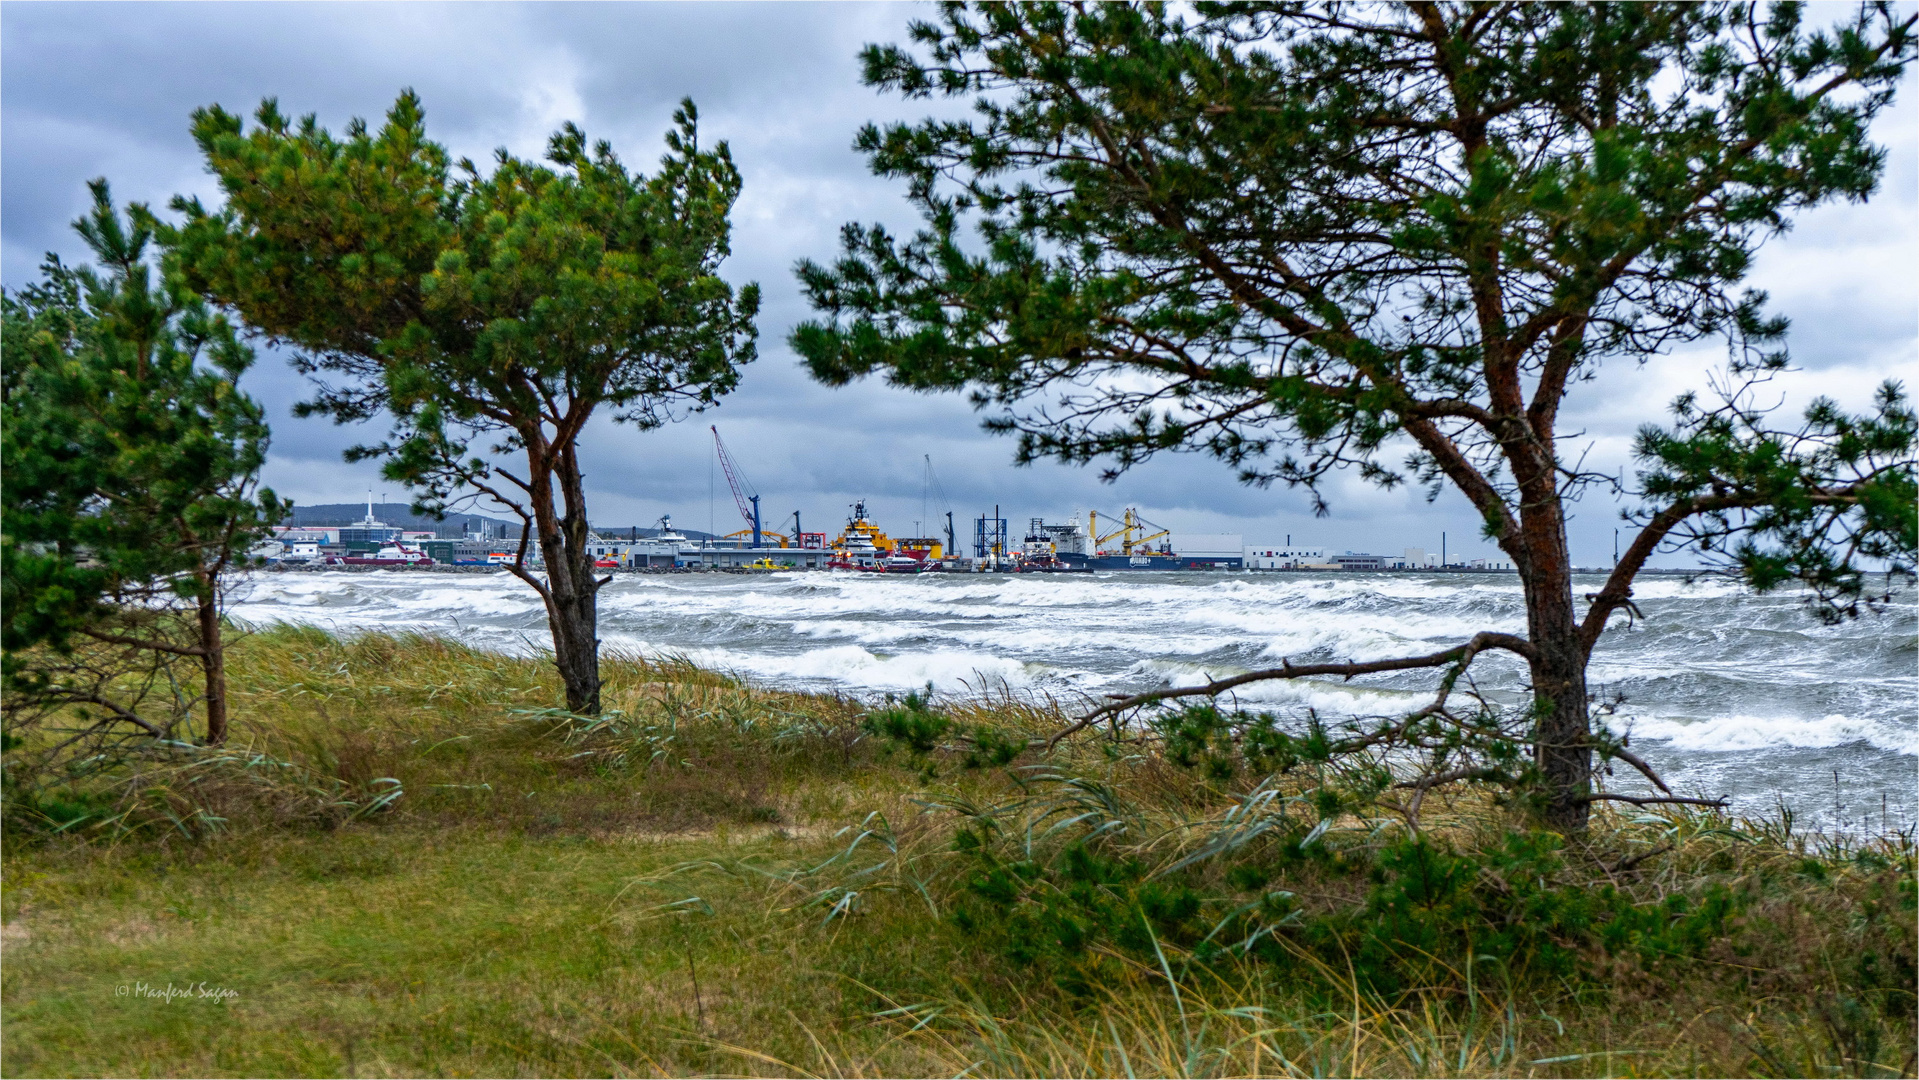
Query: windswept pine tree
{"type": "Point", "coordinates": [1396, 238]}
{"type": "Point", "coordinates": [487, 315]}
{"type": "Point", "coordinates": [132, 489]}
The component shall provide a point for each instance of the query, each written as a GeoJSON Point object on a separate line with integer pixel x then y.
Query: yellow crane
{"type": "Point", "coordinates": [1133, 524]}
{"type": "Point", "coordinates": [765, 535]}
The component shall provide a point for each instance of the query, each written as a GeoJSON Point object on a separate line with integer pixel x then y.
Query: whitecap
{"type": "Point", "coordinates": [1740, 732]}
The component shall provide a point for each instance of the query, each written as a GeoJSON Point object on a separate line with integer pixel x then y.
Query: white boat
{"type": "Point", "coordinates": [390, 554]}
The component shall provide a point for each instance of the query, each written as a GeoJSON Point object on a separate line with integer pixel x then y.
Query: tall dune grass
{"type": "Point", "coordinates": [407, 862]}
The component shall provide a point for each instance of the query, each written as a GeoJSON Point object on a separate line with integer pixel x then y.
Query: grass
{"type": "Point", "coordinates": [719, 878]}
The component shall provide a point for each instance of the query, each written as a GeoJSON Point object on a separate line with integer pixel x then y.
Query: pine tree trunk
{"type": "Point", "coordinates": [213, 661]}
{"type": "Point", "coordinates": [576, 652]}
{"type": "Point", "coordinates": [1563, 736]}
{"type": "Point", "coordinates": [572, 605]}
{"type": "Point", "coordinates": [572, 615]}
{"type": "Point", "coordinates": [1562, 732]}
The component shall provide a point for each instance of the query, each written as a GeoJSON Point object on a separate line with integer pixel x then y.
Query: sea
{"type": "Point", "coordinates": [1727, 693]}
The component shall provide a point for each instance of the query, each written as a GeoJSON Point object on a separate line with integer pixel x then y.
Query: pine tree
{"type": "Point", "coordinates": [1314, 236]}
{"type": "Point", "coordinates": [132, 466]}
{"type": "Point", "coordinates": [488, 315]}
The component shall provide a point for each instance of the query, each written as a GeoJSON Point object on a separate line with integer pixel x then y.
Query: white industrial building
{"type": "Point", "coordinates": [1286, 558]}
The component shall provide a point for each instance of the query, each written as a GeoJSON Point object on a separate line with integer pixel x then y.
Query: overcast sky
{"type": "Point", "coordinates": [105, 90]}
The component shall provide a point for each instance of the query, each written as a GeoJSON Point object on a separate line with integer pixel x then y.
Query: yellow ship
{"type": "Point", "coordinates": [862, 546]}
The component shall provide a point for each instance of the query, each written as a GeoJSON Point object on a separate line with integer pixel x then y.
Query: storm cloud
{"type": "Point", "coordinates": [106, 89]}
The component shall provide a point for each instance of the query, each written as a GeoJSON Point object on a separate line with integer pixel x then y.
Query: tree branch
{"type": "Point", "coordinates": [1648, 800]}
{"type": "Point", "coordinates": [135, 643]}
{"type": "Point", "coordinates": [1286, 670]}
{"type": "Point", "coordinates": [1637, 762]}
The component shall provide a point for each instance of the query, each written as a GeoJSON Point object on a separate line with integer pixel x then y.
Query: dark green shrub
{"type": "Point", "coordinates": [912, 723]}
{"type": "Point", "coordinates": [993, 748]}
{"type": "Point", "coordinates": [1052, 915]}
{"type": "Point", "coordinates": [1222, 745]}
{"type": "Point", "coordinates": [1430, 913]}
{"type": "Point", "coordinates": [57, 810]}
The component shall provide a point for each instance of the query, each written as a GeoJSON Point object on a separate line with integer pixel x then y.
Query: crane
{"type": "Point", "coordinates": [1092, 529]}
{"type": "Point", "coordinates": [932, 487]}
{"type": "Point", "coordinates": [1143, 525]}
{"type": "Point", "coordinates": [749, 504]}
{"type": "Point", "coordinates": [1133, 524]}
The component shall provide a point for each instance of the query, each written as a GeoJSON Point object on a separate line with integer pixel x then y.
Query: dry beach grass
{"type": "Point", "coordinates": [724, 879]}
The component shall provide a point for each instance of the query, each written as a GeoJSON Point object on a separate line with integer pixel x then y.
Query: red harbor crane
{"type": "Point", "coordinates": [749, 504]}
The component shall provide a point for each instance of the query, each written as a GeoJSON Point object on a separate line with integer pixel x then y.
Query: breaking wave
{"type": "Point", "coordinates": [1713, 679]}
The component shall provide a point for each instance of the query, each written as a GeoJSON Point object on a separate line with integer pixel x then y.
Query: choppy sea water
{"type": "Point", "coordinates": [1727, 693]}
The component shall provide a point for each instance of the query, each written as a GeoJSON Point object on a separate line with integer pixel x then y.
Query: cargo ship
{"type": "Point", "coordinates": [1142, 546]}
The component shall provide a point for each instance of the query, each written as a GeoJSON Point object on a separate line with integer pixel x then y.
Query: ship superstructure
{"type": "Point", "coordinates": [863, 546]}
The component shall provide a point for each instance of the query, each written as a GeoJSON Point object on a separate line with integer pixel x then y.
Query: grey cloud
{"type": "Point", "coordinates": [94, 89]}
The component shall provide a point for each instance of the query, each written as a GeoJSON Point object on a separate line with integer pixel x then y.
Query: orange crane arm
{"type": "Point", "coordinates": [765, 534]}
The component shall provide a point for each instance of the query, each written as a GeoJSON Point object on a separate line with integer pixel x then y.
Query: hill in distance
{"type": "Point", "coordinates": [452, 526]}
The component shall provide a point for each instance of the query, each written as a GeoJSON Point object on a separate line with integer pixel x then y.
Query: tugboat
{"type": "Point", "coordinates": [1040, 555]}
{"type": "Point", "coordinates": [390, 554]}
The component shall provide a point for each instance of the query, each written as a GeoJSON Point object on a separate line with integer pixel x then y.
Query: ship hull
{"type": "Point", "coordinates": [1152, 561]}
{"type": "Point", "coordinates": [1134, 562]}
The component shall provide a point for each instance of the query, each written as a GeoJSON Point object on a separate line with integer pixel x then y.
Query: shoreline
{"type": "Point", "coordinates": [444, 568]}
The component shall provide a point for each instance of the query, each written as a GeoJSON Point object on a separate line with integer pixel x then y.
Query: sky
{"type": "Point", "coordinates": [92, 90]}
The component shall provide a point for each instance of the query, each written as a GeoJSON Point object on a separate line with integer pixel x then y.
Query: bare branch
{"type": "Point", "coordinates": [1639, 763]}
{"type": "Point", "coordinates": [1287, 670]}
{"type": "Point", "coordinates": [136, 643]}
{"type": "Point", "coordinates": [1648, 800]}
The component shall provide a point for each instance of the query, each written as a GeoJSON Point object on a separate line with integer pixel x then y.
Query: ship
{"type": "Point", "coordinates": [1040, 553]}
{"type": "Point", "coordinates": [1135, 551]}
{"type": "Point", "coordinates": [862, 546]}
{"type": "Point", "coordinates": [390, 553]}
{"type": "Point", "coordinates": [1142, 546]}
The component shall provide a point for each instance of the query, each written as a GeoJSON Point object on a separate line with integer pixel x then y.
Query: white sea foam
{"type": "Point", "coordinates": [852, 666]}
{"type": "Point", "coordinates": [1711, 670]}
{"type": "Point", "coordinates": [1740, 732]}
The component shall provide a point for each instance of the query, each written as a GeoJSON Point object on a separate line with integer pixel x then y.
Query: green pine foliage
{"type": "Point", "coordinates": [132, 491]}
{"type": "Point", "coordinates": [1396, 240]}
{"type": "Point", "coordinates": [912, 723]}
{"type": "Point", "coordinates": [1391, 917]}
{"type": "Point", "coordinates": [489, 315]}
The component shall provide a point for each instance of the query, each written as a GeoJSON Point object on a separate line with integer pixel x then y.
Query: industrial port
{"type": "Point", "coordinates": [1082, 544]}
{"type": "Point", "coordinates": [860, 545]}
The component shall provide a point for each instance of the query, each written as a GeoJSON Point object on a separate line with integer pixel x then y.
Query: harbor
{"type": "Point", "coordinates": [1085, 542]}
{"type": "Point", "coordinates": [1126, 542]}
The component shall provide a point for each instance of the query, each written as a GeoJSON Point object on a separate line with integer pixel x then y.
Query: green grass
{"type": "Point", "coordinates": [677, 891]}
